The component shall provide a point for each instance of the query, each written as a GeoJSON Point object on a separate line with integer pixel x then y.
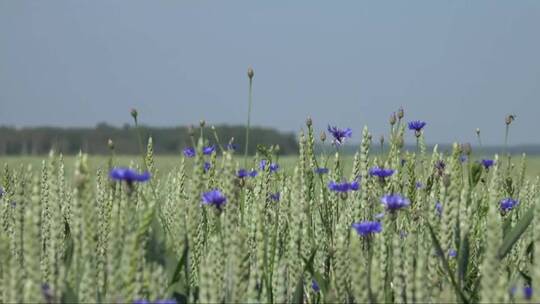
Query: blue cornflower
{"type": "Point", "coordinates": [339, 134]}
{"type": "Point", "coordinates": [438, 208]}
{"type": "Point", "coordinates": [417, 125]}
{"type": "Point", "coordinates": [394, 202]}
{"type": "Point", "coordinates": [381, 172]}
{"type": "Point", "coordinates": [207, 166]}
{"type": "Point", "coordinates": [338, 187]}
{"type": "Point", "coordinates": [440, 165]}
{"type": "Point", "coordinates": [209, 150]}
{"type": "Point", "coordinates": [189, 152]}
{"type": "Point", "coordinates": [487, 163]}
{"type": "Point", "coordinates": [128, 175]}
{"type": "Point", "coordinates": [463, 158]}
{"type": "Point", "coordinates": [344, 186]}
{"type": "Point", "coordinates": [273, 167]}
{"type": "Point", "coordinates": [215, 198]}
{"type": "Point", "coordinates": [242, 173]}
{"type": "Point", "coordinates": [275, 196]}
{"type": "Point", "coordinates": [508, 204]}
{"type": "Point", "coordinates": [315, 286]}
{"type": "Point", "coordinates": [419, 185]}
{"type": "Point", "coordinates": [165, 301]}
{"type": "Point", "coordinates": [452, 253]}
{"type": "Point", "coordinates": [47, 292]}
{"type": "Point", "coordinates": [160, 301]}
{"type": "Point", "coordinates": [527, 292]}
{"type": "Point", "coordinates": [321, 170]}
{"type": "Point", "coordinates": [366, 228]}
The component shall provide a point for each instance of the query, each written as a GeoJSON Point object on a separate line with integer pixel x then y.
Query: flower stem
{"type": "Point", "coordinates": [250, 101]}
{"type": "Point", "coordinates": [139, 139]}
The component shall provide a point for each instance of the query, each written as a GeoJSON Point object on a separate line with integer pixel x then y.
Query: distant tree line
{"type": "Point", "coordinates": [167, 140]}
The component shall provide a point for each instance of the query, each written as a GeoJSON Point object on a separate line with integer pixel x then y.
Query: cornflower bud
{"type": "Point", "coordinates": [393, 119]}
{"type": "Point", "coordinates": [110, 144]}
{"type": "Point", "coordinates": [510, 118]}
{"type": "Point", "coordinates": [134, 113]}
{"type": "Point", "coordinates": [400, 113]}
{"type": "Point", "coordinates": [309, 121]}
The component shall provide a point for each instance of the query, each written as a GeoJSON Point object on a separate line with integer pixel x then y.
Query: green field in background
{"type": "Point", "coordinates": [165, 164]}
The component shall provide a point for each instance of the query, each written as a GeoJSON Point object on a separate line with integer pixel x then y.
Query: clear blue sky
{"type": "Point", "coordinates": [456, 64]}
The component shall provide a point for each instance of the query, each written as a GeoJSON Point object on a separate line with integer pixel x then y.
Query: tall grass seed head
{"type": "Point", "coordinates": [400, 142]}
{"type": "Point", "coordinates": [250, 73]}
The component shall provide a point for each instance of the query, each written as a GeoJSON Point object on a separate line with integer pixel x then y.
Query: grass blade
{"type": "Point", "coordinates": [463, 259]}
{"type": "Point", "coordinates": [513, 235]}
{"type": "Point", "coordinates": [446, 266]}
{"type": "Point", "coordinates": [182, 264]}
